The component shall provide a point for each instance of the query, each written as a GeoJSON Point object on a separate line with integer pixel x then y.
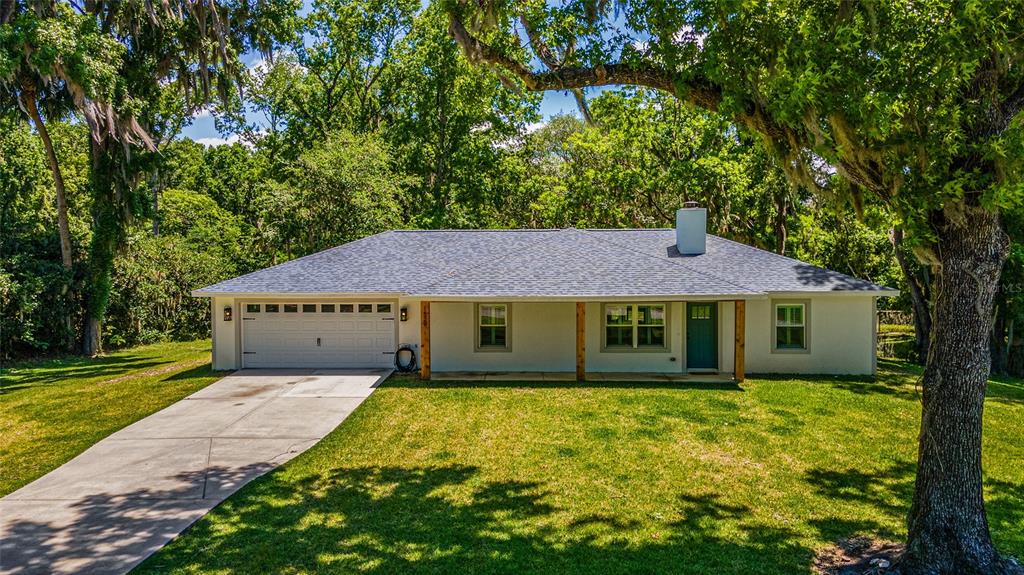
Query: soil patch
{"type": "Point", "coordinates": [858, 556]}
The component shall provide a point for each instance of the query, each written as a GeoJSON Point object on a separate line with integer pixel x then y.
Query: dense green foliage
{"type": "Point", "coordinates": [876, 138]}
{"type": "Point", "coordinates": [917, 106]}
{"type": "Point", "coordinates": [226, 210]}
{"type": "Point", "coordinates": [371, 118]}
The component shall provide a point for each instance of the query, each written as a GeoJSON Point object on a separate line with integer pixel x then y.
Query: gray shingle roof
{"type": "Point", "coordinates": [539, 263]}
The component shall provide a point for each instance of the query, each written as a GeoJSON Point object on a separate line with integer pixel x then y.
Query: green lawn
{"type": "Point", "coordinates": [630, 478]}
{"type": "Point", "coordinates": [53, 410]}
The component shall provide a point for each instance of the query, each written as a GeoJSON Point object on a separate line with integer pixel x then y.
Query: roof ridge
{"type": "Point", "coordinates": [420, 231]}
{"type": "Point", "coordinates": [678, 263]}
{"type": "Point", "coordinates": [626, 229]}
{"type": "Point", "coordinates": [475, 263]}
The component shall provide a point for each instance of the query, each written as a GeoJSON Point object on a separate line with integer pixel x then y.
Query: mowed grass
{"type": "Point", "coordinates": [616, 478]}
{"type": "Point", "coordinates": [50, 411]}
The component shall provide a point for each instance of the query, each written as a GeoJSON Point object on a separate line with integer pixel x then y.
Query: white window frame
{"type": "Point", "coordinates": [477, 324]}
{"type": "Point", "coordinates": [636, 347]}
{"type": "Point", "coordinates": [806, 305]}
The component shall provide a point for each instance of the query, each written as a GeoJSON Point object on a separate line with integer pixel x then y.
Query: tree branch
{"type": "Point", "coordinates": [543, 52]}
{"type": "Point", "coordinates": [698, 92]}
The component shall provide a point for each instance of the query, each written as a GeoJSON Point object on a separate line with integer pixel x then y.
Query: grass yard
{"type": "Point", "coordinates": [51, 411]}
{"type": "Point", "coordinates": [616, 478]}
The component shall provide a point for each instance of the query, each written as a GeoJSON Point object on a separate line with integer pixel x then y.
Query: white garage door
{"type": "Point", "coordinates": [318, 334]}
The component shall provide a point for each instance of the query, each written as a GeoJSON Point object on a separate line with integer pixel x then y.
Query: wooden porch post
{"type": "Point", "coordinates": [741, 339]}
{"type": "Point", "coordinates": [425, 339]}
{"type": "Point", "coordinates": [581, 341]}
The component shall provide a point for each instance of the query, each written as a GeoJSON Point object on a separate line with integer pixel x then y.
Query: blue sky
{"type": "Point", "coordinates": [203, 130]}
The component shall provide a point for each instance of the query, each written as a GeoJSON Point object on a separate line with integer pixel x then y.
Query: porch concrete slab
{"type": "Point", "coordinates": [559, 376]}
{"type": "Point", "coordinates": [515, 376]}
{"type": "Point", "coordinates": [142, 467]}
{"type": "Point", "coordinates": [458, 376]}
{"type": "Point", "coordinates": [112, 506]}
{"type": "Point", "coordinates": [191, 418]}
{"type": "Point", "coordinates": [638, 377]}
{"type": "Point", "coordinates": [293, 417]}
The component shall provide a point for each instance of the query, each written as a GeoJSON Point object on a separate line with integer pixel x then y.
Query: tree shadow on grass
{"type": "Point", "coordinates": [886, 383]}
{"type": "Point", "coordinates": [448, 519]}
{"type": "Point", "coordinates": [895, 375]}
{"type": "Point", "coordinates": [1004, 389]}
{"type": "Point", "coordinates": [203, 370]}
{"type": "Point", "coordinates": [51, 373]}
{"type": "Point", "coordinates": [888, 492]}
{"type": "Point", "coordinates": [1004, 502]}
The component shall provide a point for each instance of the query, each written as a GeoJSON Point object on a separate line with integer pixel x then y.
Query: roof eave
{"type": "Point", "coordinates": [881, 292]}
{"type": "Point", "coordinates": [285, 295]}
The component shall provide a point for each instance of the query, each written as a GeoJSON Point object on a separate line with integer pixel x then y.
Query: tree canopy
{"type": "Point", "coordinates": [915, 105]}
{"type": "Point", "coordinates": [882, 139]}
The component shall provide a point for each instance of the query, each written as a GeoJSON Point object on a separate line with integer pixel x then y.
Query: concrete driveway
{"type": "Point", "coordinates": [130, 494]}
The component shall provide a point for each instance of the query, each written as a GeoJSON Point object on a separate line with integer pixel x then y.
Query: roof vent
{"type": "Point", "coordinates": [691, 229]}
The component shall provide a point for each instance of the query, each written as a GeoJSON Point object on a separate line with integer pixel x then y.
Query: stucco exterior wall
{"type": "Point", "coordinates": [409, 330]}
{"type": "Point", "coordinates": [542, 336]}
{"type": "Point", "coordinates": [225, 334]}
{"type": "Point", "coordinates": [841, 338]}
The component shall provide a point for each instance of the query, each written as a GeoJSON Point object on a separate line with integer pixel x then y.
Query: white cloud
{"type": "Point", "coordinates": [233, 138]}
{"type": "Point", "coordinates": [534, 126]}
{"type": "Point", "coordinates": [205, 111]}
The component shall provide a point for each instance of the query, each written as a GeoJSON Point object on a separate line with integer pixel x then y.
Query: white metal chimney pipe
{"type": "Point", "coordinates": [691, 229]}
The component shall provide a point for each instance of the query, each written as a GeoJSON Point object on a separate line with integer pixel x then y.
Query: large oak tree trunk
{"type": "Point", "coordinates": [106, 236]}
{"type": "Point", "coordinates": [947, 527]}
{"type": "Point", "coordinates": [91, 337]}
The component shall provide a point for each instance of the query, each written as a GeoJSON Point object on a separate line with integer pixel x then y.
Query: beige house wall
{"type": "Point", "coordinates": [841, 337]}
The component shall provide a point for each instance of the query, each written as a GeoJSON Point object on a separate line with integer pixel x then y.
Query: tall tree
{"type": "Point", "coordinates": [648, 153]}
{"type": "Point", "coordinates": [339, 77]}
{"type": "Point", "coordinates": [124, 55]}
{"type": "Point", "coordinates": [916, 104]}
{"type": "Point", "coordinates": [47, 79]}
{"type": "Point", "coordinates": [452, 125]}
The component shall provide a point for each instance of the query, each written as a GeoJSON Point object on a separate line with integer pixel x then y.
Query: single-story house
{"type": "Point", "coordinates": [577, 301]}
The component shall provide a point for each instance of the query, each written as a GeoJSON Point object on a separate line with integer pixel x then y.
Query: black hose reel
{"type": "Point", "coordinates": [402, 365]}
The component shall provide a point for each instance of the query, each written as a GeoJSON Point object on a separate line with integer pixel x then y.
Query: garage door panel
{"type": "Point", "coordinates": [289, 339]}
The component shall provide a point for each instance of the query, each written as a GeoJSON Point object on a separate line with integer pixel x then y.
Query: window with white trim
{"type": "Point", "coordinates": [635, 326]}
{"type": "Point", "coordinates": [790, 326]}
{"type": "Point", "coordinates": [492, 326]}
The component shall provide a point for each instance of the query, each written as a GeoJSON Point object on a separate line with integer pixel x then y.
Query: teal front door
{"type": "Point", "coordinates": [701, 336]}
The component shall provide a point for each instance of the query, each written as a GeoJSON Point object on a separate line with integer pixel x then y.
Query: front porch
{"type": "Point", "coordinates": [562, 376]}
{"type": "Point", "coordinates": [548, 336]}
